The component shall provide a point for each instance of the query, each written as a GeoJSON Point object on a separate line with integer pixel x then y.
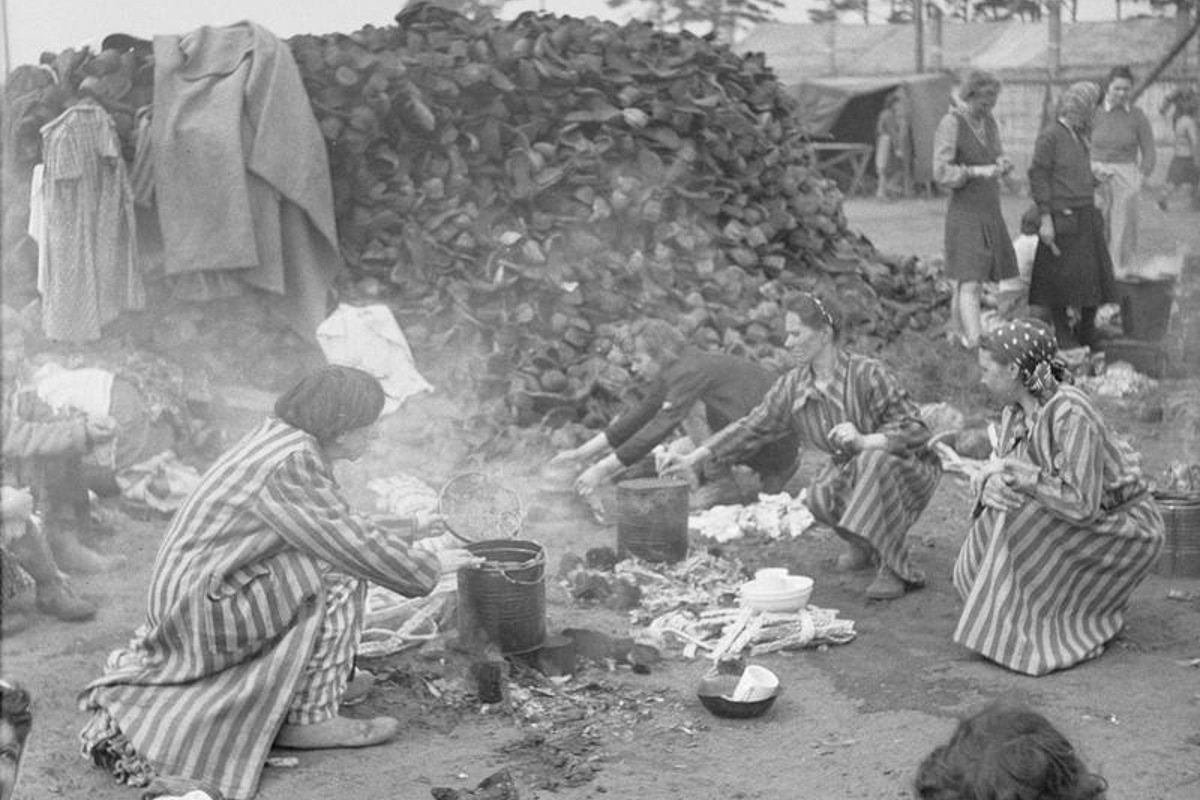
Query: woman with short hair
{"type": "Point", "coordinates": [881, 474]}
{"type": "Point", "coordinates": [969, 160]}
{"type": "Point", "coordinates": [256, 602]}
{"type": "Point", "coordinates": [1123, 156]}
{"type": "Point", "coordinates": [1065, 526]}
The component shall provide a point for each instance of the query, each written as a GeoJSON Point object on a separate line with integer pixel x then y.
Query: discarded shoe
{"type": "Point", "coordinates": [338, 732]}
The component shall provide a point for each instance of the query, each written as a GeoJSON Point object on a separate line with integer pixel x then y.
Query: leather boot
{"type": "Point", "coordinates": [59, 600]}
{"type": "Point", "coordinates": [73, 556]}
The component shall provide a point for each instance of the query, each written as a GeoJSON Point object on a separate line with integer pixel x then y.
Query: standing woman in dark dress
{"type": "Point", "coordinates": [1072, 267]}
{"type": "Point", "coordinates": [969, 161]}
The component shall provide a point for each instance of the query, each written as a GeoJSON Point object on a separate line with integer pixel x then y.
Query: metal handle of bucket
{"type": "Point", "coordinates": [540, 558]}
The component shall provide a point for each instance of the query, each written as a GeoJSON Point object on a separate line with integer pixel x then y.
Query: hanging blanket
{"type": "Point", "coordinates": [240, 168]}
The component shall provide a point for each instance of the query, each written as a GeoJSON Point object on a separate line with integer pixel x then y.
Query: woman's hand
{"type": "Point", "coordinates": [427, 519]}
{"type": "Point", "coordinates": [455, 558]}
{"type": "Point", "coordinates": [1046, 234]}
{"type": "Point", "coordinates": [565, 459]}
{"type": "Point", "coordinates": [998, 494]}
{"type": "Point", "coordinates": [1020, 475]}
{"type": "Point", "coordinates": [681, 466]}
{"type": "Point", "coordinates": [597, 474]}
{"type": "Point", "coordinates": [101, 429]}
{"type": "Point", "coordinates": [846, 438]}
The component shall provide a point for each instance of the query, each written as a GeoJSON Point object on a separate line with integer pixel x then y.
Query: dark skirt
{"type": "Point", "coordinates": [1081, 276]}
{"type": "Point", "coordinates": [1183, 170]}
{"type": "Point", "coordinates": [978, 247]}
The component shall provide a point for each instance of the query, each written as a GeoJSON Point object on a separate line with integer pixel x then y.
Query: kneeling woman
{"type": "Point", "coordinates": [882, 474]}
{"type": "Point", "coordinates": [255, 604]}
{"type": "Point", "coordinates": [1065, 527]}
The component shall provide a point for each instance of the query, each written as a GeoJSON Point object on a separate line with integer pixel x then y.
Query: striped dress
{"type": "Point", "coordinates": [256, 585]}
{"type": "Point", "coordinates": [1045, 587]}
{"type": "Point", "coordinates": [876, 494]}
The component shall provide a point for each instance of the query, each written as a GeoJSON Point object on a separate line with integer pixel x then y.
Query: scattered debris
{"type": "Point", "coordinates": [773, 516]}
{"type": "Point", "coordinates": [1119, 379]}
{"type": "Point", "coordinates": [728, 633]}
{"type": "Point", "coordinates": [497, 786]}
{"type": "Point", "coordinates": [1180, 479]}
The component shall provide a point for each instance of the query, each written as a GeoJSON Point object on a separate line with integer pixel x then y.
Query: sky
{"type": "Point", "coordinates": [34, 26]}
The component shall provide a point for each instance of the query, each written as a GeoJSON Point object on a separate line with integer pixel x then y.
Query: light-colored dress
{"type": "Point", "coordinates": [257, 589]}
{"type": "Point", "coordinates": [1046, 586]}
{"type": "Point", "coordinates": [875, 494]}
{"type": "Point", "coordinates": [89, 263]}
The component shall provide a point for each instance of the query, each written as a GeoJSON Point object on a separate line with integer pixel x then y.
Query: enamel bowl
{"type": "Point", "coordinates": [789, 595]}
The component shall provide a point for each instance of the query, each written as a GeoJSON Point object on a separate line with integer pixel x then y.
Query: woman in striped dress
{"type": "Point", "coordinates": [881, 474]}
{"type": "Point", "coordinates": [255, 604]}
{"type": "Point", "coordinates": [1065, 527]}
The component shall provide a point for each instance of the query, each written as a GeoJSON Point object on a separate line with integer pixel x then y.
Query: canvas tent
{"type": "Point", "coordinates": [845, 109]}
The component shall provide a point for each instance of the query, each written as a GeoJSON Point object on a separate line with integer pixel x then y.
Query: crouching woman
{"type": "Point", "coordinates": [881, 473]}
{"type": "Point", "coordinates": [255, 604]}
{"type": "Point", "coordinates": [1065, 526]}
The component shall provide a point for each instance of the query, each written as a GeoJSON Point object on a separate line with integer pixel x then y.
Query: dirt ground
{"type": "Point", "coordinates": [853, 721]}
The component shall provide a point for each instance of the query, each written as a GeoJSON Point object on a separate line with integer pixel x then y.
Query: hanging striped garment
{"type": "Point", "coordinates": [876, 494]}
{"type": "Point", "coordinates": [237, 610]}
{"type": "Point", "coordinates": [1046, 586]}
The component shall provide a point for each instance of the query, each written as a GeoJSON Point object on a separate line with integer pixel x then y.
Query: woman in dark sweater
{"type": "Point", "coordinates": [1072, 267]}
{"type": "Point", "coordinates": [677, 378]}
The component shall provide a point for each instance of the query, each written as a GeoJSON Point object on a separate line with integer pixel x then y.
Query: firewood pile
{"type": "Point", "coordinates": [522, 188]}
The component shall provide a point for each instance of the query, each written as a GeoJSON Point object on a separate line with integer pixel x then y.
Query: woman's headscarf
{"type": "Point", "coordinates": [1031, 346]}
{"type": "Point", "coordinates": [1078, 104]}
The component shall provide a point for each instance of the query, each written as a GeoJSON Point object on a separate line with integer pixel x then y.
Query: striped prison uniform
{"type": "Point", "coordinates": [254, 607]}
{"type": "Point", "coordinates": [876, 495]}
{"type": "Point", "coordinates": [1045, 586]}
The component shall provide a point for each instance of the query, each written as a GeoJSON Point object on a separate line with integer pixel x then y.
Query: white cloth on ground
{"type": "Point", "coordinates": [87, 389]}
{"type": "Point", "coordinates": [368, 337]}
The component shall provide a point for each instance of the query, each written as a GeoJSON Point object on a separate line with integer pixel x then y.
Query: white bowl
{"type": "Point", "coordinates": [766, 597]}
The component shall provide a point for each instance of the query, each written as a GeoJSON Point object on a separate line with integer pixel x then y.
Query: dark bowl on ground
{"type": "Point", "coordinates": [715, 692]}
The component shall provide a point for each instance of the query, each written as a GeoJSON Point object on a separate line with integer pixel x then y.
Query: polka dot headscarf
{"type": "Point", "coordinates": [1031, 346]}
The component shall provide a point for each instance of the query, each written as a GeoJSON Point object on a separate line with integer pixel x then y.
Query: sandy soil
{"type": "Point", "coordinates": [853, 722]}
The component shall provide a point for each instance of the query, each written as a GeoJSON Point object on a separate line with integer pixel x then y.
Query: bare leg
{"type": "Point", "coordinates": [313, 721]}
{"type": "Point", "coordinates": [968, 308]}
{"type": "Point", "coordinates": [955, 331]}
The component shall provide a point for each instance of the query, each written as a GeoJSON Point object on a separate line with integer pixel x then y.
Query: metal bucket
{"type": "Point", "coordinates": [1180, 557]}
{"type": "Point", "coordinates": [1146, 308]}
{"type": "Point", "coordinates": [504, 599]}
{"type": "Point", "coordinates": [652, 519]}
